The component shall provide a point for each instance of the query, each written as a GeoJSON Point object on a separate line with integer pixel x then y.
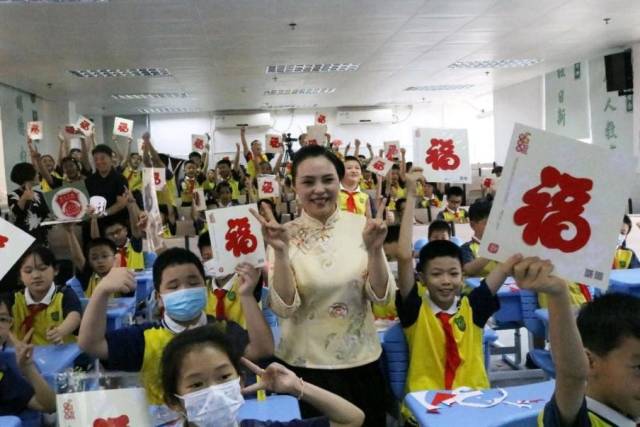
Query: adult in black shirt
{"type": "Point", "coordinates": [108, 183]}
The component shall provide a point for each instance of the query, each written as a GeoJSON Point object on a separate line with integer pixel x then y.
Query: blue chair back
{"type": "Point", "coordinates": [75, 284]}
{"type": "Point", "coordinates": [149, 259]}
{"type": "Point", "coordinates": [455, 239]}
{"type": "Point", "coordinates": [396, 359]}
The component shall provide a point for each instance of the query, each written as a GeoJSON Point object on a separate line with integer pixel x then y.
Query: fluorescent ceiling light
{"type": "Point", "coordinates": [307, 91]}
{"type": "Point", "coordinates": [496, 63]}
{"type": "Point", "coordinates": [155, 110]}
{"type": "Point", "coordinates": [53, 1]}
{"type": "Point", "coordinates": [136, 96]}
{"type": "Point", "coordinates": [310, 68]}
{"type": "Point", "coordinates": [117, 72]}
{"type": "Point", "coordinates": [438, 87]}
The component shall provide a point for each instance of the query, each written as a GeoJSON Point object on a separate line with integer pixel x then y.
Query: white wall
{"type": "Point", "coordinates": [172, 133]}
{"type": "Point", "coordinates": [519, 103]}
{"type": "Point", "coordinates": [14, 121]}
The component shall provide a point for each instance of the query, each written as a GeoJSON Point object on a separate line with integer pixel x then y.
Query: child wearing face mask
{"type": "Point", "coordinates": [179, 281]}
{"type": "Point", "coordinates": [201, 382]}
{"type": "Point", "coordinates": [625, 257]}
{"type": "Point", "coordinates": [52, 312]}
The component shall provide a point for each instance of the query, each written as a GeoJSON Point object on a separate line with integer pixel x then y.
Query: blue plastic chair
{"type": "Point", "coordinates": [529, 304]}
{"type": "Point", "coordinates": [490, 336]}
{"type": "Point", "coordinates": [543, 359]}
{"type": "Point", "coordinates": [396, 359]}
{"type": "Point", "coordinates": [149, 259]}
{"type": "Point", "coordinates": [455, 239]}
{"type": "Point", "coordinates": [75, 284]}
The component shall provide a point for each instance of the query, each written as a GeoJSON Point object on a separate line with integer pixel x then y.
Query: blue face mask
{"type": "Point", "coordinates": [185, 304]}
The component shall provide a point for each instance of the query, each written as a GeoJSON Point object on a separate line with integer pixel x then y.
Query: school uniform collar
{"type": "Point", "coordinates": [227, 286]}
{"type": "Point", "coordinates": [357, 190]}
{"type": "Point", "coordinates": [176, 328]}
{"type": "Point", "coordinates": [609, 414]}
{"type": "Point", "coordinates": [435, 309]}
{"type": "Point", "coordinates": [46, 300]}
{"type": "Point", "coordinates": [451, 210]}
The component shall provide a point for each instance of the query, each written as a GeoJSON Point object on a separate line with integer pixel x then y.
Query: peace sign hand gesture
{"type": "Point", "coordinates": [275, 378]}
{"type": "Point", "coordinates": [375, 229]}
{"type": "Point", "coordinates": [275, 234]}
{"type": "Point", "coordinates": [24, 350]}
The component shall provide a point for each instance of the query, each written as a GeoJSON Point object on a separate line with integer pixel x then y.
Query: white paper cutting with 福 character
{"type": "Point", "coordinates": [268, 186]}
{"type": "Point", "coordinates": [559, 199]}
{"type": "Point", "coordinates": [237, 237]}
{"type": "Point", "coordinates": [380, 166]}
{"type": "Point", "coordinates": [443, 154]}
{"type": "Point", "coordinates": [123, 127]}
{"type": "Point", "coordinates": [316, 135]}
{"type": "Point", "coordinates": [34, 130]}
{"type": "Point", "coordinates": [120, 407]}
{"type": "Point", "coordinates": [13, 243]}
{"type": "Point", "coordinates": [273, 143]}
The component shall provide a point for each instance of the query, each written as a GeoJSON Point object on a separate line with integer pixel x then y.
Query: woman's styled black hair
{"type": "Point", "coordinates": [310, 151]}
{"type": "Point", "coordinates": [171, 257]}
{"type": "Point", "coordinates": [185, 342]}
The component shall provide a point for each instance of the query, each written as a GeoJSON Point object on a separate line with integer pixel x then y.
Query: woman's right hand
{"type": "Point", "coordinates": [275, 234]}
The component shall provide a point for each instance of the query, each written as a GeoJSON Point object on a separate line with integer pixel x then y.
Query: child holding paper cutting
{"type": "Point", "coordinates": [181, 295]}
{"type": "Point", "coordinates": [202, 365]}
{"type": "Point", "coordinates": [352, 198]}
{"type": "Point", "coordinates": [52, 312]}
{"type": "Point", "coordinates": [596, 359]}
{"type": "Point", "coordinates": [444, 330]}
{"type": "Point", "coordinates": [23, 389]}
{"type": "Point", "coordinates": [472, 265]}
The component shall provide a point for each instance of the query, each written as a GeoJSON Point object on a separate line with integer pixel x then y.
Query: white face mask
{"type": "Point", "coordinates": [621, 239]}
{"type": "Point", "coordinates": [214, 406]}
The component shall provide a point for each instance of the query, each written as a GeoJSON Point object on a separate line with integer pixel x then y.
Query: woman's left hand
{"type": "Point", "coordinates": [375, 230]}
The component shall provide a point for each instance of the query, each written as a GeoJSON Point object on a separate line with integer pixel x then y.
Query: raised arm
{"type": "Point", "coordinates": [260, 336]}
{"type": "Point", "coordinates": [370, 150]}
{"type": "Point", "coordinates": [77, 257]}
{"type": "Point", "coordinates": [134, 215]}
{"type": "Point", "coordinates": [63, 148]}
{"type": "Point", "coordinates": [205, 158]}
{"type": "Point", "coordinates": [84, 150]}
{"type": "Point", "coordinates": [346, 149]}
{"type": "Point", "coordinates": [403, 163]}
{"type": "Point", "coordinates": [245, 147]}
{"type": "Point", "coordinates": [356, 153]}
{"type": "Point", "coordinates": [569, 355]}
{"type": "Point", "coordinates": [91, 338]}
{"type": "Point", "coordinates": [406, 277]}
{"type": "Point", "coordinates": [278, 164]}
{"type": "Point", "coordinates": [498, 275]}
{"type": "Point", "coordinates": [373, 235]}
{"type": "Point", "coordinates": [36, 160]}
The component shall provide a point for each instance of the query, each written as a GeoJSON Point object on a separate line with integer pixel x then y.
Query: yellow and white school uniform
{"type": "Point", "coordinates": [592, 413]}
{"type": "Point", "coordinates": [353, 201]}
{"type": "Point", "coordinates": [449, 215]}
{"type": "Point", "coordinates": [133, 177]}
{"type": "Point", "coordinates": [224, 303]}
{"type": "Point", "coordinates": [43, 315]}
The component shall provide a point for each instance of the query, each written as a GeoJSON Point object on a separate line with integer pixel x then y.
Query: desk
{"type": "Point", "coordinates": [50, 359]}
{"type": "Point", "coordinates": [275, 408]}
{"type": "Point", "coordinates": [118, 311]}
{"type": "Point", "coordinates": [144, 284]}
{"type": "Point", "coordinates": [509, 296]}
{"type": "Point", "coordinates": [625, 281]}
{"type": "Point", "coordinates": [457, 415]}
{"type": "Point", "coordinates": [10, 422]}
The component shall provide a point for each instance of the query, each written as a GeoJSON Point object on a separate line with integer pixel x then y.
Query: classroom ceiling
{"type": "Point", "coordinates": [217, 52]}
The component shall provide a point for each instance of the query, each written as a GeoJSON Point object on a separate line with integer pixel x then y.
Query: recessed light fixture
{"type": "Point", "coordinates": [306, 91]}
{"type": "Point", "coordinates": [136, 96]}
{"type": "Point", "coordinates": [496, 63]}
{"type": "Point", "coordinates": [125, 72]}
{"type": "Point", "coordinates": [310, 68]}
{"type": "Point", "coordinates": [157, 110]}
{"type": "Point", "coordinates": [438, 87]}
{"type": "Point", "coordinates": [54, 1]}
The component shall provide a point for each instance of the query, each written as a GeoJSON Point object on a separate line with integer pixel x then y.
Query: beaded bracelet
{"type": "Point", "coordinates": [301, 389]}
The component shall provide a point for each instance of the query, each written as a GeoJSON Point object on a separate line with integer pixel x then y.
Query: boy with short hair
{"type": "Point", "coordinates": [444, 330]}
{"type": "Point", "coordinates": [452, 212]}
{"type": "Point", "coordinates": [179, 281]}
{"type": "Point", "coordinates": [596, 358]}
{"type": "Point", "coordinates": [472, 265]}
{"type": "Point", "coordinates": [190, 183]}
{"type": "Point", "coordinates": [439, 230]}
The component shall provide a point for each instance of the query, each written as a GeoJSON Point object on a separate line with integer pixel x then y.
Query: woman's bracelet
{"type": "Point", "coordinates": [301, 388]}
